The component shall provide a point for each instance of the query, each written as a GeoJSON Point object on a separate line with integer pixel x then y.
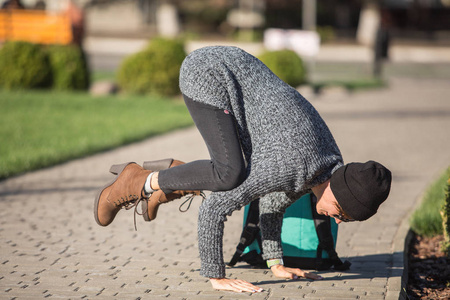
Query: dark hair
{"type": "Point", "coordinates": [341, 211]}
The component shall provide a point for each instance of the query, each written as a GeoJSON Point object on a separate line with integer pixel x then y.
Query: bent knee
{"type": "Point", "coordinates": [231, 179]}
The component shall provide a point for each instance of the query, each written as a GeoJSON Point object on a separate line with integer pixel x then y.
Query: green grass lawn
{"type": "Point", "coordinates": [43, 128]}
{"type": "Point", "coordinates": [426, 219]}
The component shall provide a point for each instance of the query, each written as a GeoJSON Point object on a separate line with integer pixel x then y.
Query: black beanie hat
{"type": "Point", "coordinates": [360, 188]}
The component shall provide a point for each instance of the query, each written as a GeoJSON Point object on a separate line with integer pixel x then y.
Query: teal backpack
{"type": "Point", "coordinates": [308, 239]}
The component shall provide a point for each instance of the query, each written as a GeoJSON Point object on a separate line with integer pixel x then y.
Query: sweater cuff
{"type": "Point", "coordinates": [271, 250]}
{"type": "Point", "coordinates": [212, 270]}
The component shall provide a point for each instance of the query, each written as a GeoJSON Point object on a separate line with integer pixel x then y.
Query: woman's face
{"type": "Point", "coordinates": [328, 206]}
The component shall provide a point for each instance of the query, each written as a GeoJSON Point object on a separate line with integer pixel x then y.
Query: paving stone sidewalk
{"type": "Point", "coordinates": [51, 247]}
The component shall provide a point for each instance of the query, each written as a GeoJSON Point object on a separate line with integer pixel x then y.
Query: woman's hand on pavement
{"type": "Point", "coordinates": [237, 285]}
{"type": "Point", "coordinates": [234, 285]}
{"type": "Point", "coordinates": [291, 273]}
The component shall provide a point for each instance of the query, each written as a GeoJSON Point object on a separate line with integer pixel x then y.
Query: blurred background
{"type": "Point", "coordinates": [337, 39]}
{"type": "Point", "coordinates": [79, 77]}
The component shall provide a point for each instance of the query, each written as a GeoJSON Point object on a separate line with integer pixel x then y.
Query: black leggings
{"type": "Point", "coordinates": [226, 168]}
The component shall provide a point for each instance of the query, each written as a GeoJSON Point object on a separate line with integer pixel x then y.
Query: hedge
{"type": "Point", "coordinates": [69, 67]}
{"type": "Point", "coordinates": [286, 64]}
{"type": "Point", "coordinates": [24, 65]}
{"type": "Point", "coordinates": [154, 69]}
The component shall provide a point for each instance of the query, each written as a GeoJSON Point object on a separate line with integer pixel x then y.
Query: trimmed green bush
{"type": "Point", "coordinates": [287, 65]}
{"type": "Point", "coordinates": [154, 69]}
{"type": "Point", "coordinates": [23, 65]}
{"type": "Point", "coordinates": [69, 67]}
{"type": "Point", "coordinates": [133, 75]}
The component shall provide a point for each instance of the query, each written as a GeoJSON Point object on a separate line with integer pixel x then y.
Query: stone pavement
{"type": "Point", "coordinates": [51, 247]}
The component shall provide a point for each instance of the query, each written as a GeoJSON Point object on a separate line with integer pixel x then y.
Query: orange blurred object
{"type": "Point", "coordinates": [35, 26]}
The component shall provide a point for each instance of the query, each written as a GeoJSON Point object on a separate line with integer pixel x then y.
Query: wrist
{"type": "Point", "coordinates": [274, 262]}
{"type": "Point", "coordinates": [216, 279]}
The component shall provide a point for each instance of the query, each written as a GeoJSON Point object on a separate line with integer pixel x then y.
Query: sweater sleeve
{"type": "Point", "coordinates": [213, 213]}
{"type": "Point", "coordinates": [271, 210]}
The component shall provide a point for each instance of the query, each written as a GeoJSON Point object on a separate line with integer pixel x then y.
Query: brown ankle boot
{"type": "Point", "coordinates": [150, 206]}
{"type": "Point", "coordinates": [125, 191]}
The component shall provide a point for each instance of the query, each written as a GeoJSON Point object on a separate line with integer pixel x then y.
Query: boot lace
{"type": "Point", "coordinates": [189, 200]}
{"type": "Point", "coordinates": [129, 202]}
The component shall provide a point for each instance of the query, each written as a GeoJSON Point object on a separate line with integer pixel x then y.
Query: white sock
{"type": "Point", "coordinates": [147, 186]}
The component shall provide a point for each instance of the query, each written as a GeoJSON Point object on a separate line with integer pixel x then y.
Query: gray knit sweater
{"type": "Point", "coordinates": [288, 147]}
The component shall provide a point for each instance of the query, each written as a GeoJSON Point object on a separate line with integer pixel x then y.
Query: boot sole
{"type": "Point", "coordinates": [116, 170]}
{"type": "Point", "coordinates": [156, 165]}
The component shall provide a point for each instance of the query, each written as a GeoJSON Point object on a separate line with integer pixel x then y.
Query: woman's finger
{"type": "Point", "coordinates": [300, 273]}
{"type": "Point", "coordinates": [234, 285]}
{"type": "Point", "coordinates": [246, 286]}
{"type": "Point", "coordinates": [312, 276]}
